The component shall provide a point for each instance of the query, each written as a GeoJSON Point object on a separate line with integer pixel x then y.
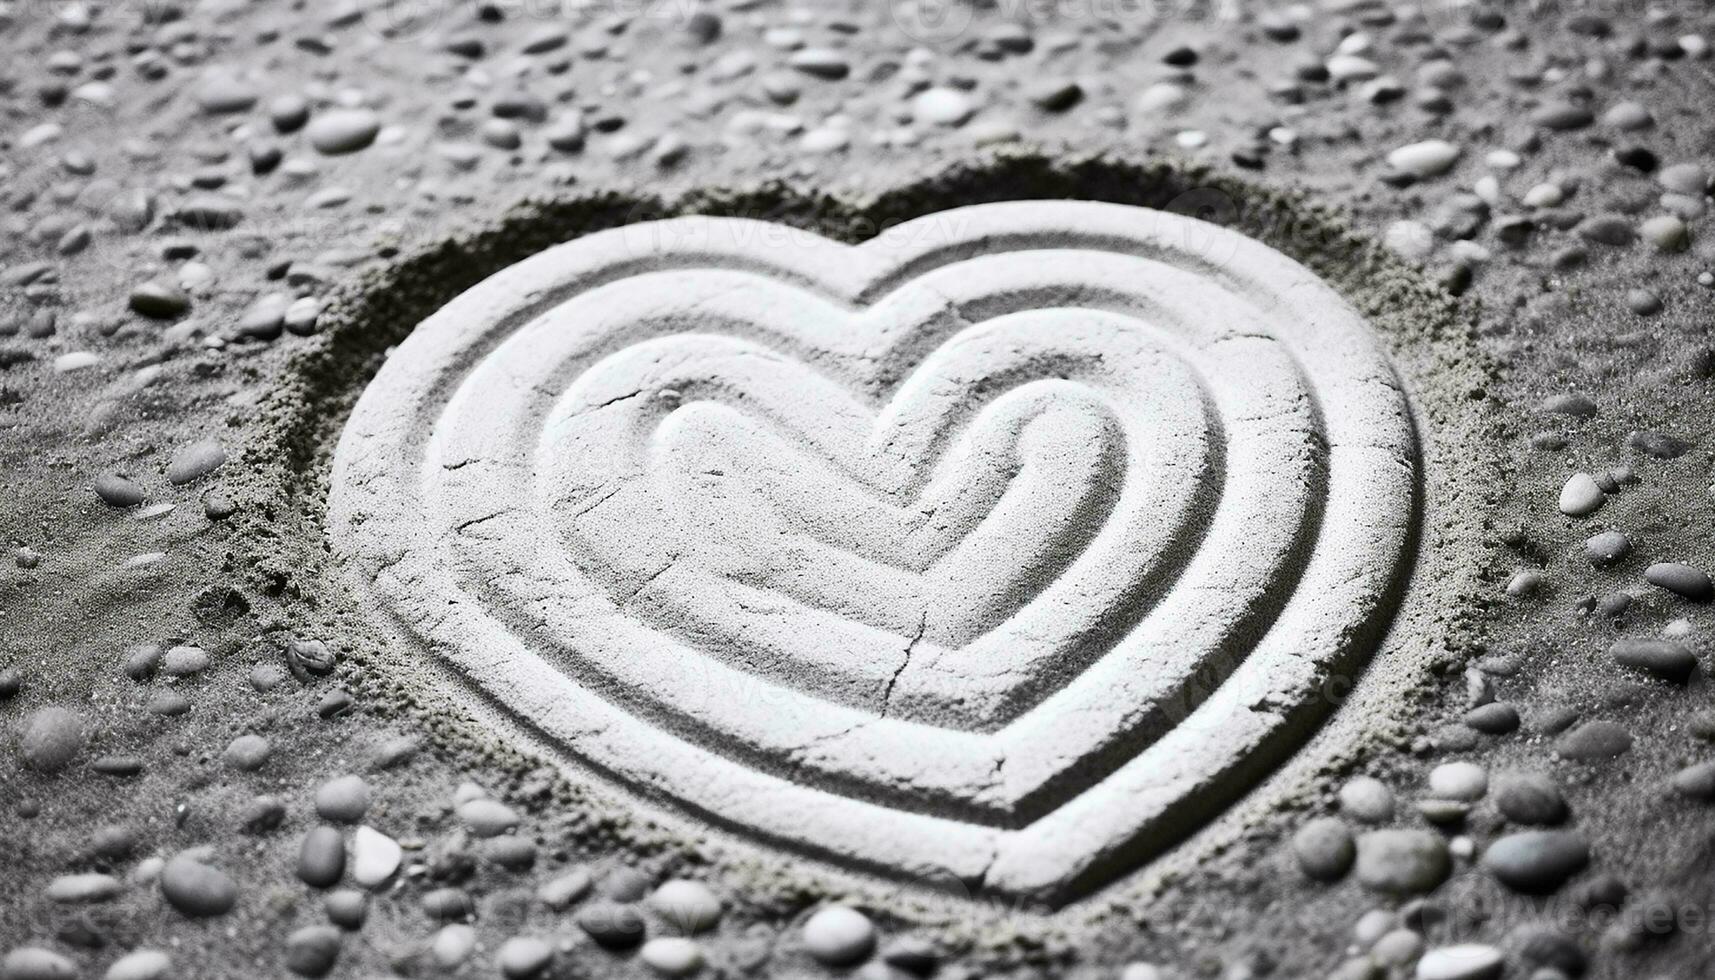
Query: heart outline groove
{"type": "Point", "coordinates": [1009, 545]}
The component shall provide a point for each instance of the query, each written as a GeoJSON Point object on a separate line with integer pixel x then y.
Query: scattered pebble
{"type": "Point", "coordinates": [839, 936]}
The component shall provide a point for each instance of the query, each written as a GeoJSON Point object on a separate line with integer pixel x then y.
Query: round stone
{"type": "Point", "coordinates": [1530, 798]}
{"type": "Point", "coordinates": [1607, 548]}
{"type": "Point", "coordinates": [1581, 496]}
{"type": "Point", "coordinates": [1367, 799]}
{"type": "Point", "coordinates": [247, 753]}
{"type": "Point", "coordinates": [321, 857]}
{"type": "Point", "coordinates": [487, 818]}
{"type": "Point", "coordinates": [523, 957]}
{"type": "Point", "coordinates": [1464, 781]}
{"type": "Point", "coordinates": [1427, 159]}
{"type": "Point", "coordinates": [612, 925]}
{"type": "Point", "coordinates": [197, 889]}
{"type": "Point", "coordinates": [141, 964]}
{"type": "Point", "coordinates": [1079, 466]}
{"type": "Point", "coordinates": [1324, 848]}
{"type": "Point", "coordinates": [672, 956]}
{"type": "Point", "coordinates": [36, 963]}
{"type": "Point", "coordinates": [1469, 961]}
{"type": "Point", "coordinates": [689, 906]}
{"type": "Point", "coordinates": [53, 737]}
{"type": "Point", "coordinates": [343, 130]}
{"type": "Point", "coordinates": [1537, 862]}
{"type": "Point", "coordinates": [1663, 658]}
{"type": "Point", "coordinates": [1402, 862]}
{"type": "Point", "coordinates": [839, 936]}
{"type": "Point", "coordinates": [195, 461]}
{"type": "Point", "coordinates": [312, 951]}
{"type": "Point", "coordinates": [343, 800]}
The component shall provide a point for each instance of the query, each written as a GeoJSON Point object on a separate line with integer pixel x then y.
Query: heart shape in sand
{"type": "Point", "coordinates": [941, 554]}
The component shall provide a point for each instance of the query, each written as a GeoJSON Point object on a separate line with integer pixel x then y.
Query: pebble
{"type": "Point", "coordinates": [522, 957]}
{"type": "Point", "coordinates": [1463, 781]}
{"type": "Point", "coordinates": [141, 964]}
{"type": "Point", "coordinates": [159, 300]}
{"type": "Point", "coordinates": [1402, 862]}
{"type": "Point", "coordinates": [839, 936]}
{"type": "Point", "coordinates": [559, 893]}
{"type": "Point", "coordinates": [1581, 496]}
{"type": "Point", "coordinates": [247, 753]}
{"type": "Point", "coordinates": [1665, 659]}
{"type": "Point", "coordinates": [1666, 232]}
{"type": "Point", "coordinates": [183, 661]}
{"type": "Point", "coordinates": [321, 857]}
{"type": "Point", "coordinates": [1537, 862]}
{"type": "Point", "coordinates": [1429, 158]}
{"type": "Point", "coordinates": [1562, 116]}
{"type": "Point", "coordinates": [612, 925]}
{"type": "Point", "coordinates": [1367, 799]}
{"type": "Point", "coordinates": [1468, 961]}
{"type": "Point", "coordinates": [374, 857]}
{"type": "Point", "coordinates": [343, 130]}
{"type": "Point", "coordinates": [53, 737]}
{"type": "Point", "coordinates": [1530, 798]}
{"type": "Point", "coordinates": [823, 63]}
{"type": "Point", "coordinates": [487, 818]}
{"type": "Point", "coordinates": [347, 908]}
{"type": "Point", "coordinates": [1324, 848]}
{"type": "Point", "coordinates": [118, 490]}
{"type": "Point", "coordinates": [942, 107]}
{"type": "Point", "coordinates": [1593, 741]}
{"type": "Point", "coordinates": [687, 905]}
{"type": "Point", "coordinates": [453, 945]}
{"type": "Point", "coordinates": [343, 799]}
{"type": "Point", "coordinates": [1696, 781]}
{"type": "Point", "coordinates": [1681, 579]}
{"type": "Point", "coordinates": [1493, 719]}
{"type": "Point", "coordinates": [36, 963]}
{"type": "Point", "coordinates": [195, 461]}
{"type": "Point", "coordinates": [197, 889]}
{"type": "Point", "coordinates": [80, 888]}
{"type": "Point", "coordinates": [672, 956]}
{"type": "Point", "coordinates": [312, 951]}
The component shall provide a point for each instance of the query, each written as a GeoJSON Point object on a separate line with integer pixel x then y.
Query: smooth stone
{"type": "Point", "coordinates": [184, 661]}
{"type": "Point", "coordinates": [452, 945]}
{"type": "Point", "coordinates": [1607, 548]}
{"type": "Point", "coordinates": [687, 905]}
{"type": "Point", "coordinates": [53, 737]}
{"type": "Point", "coordinates": [1537, 862]}
{"type": "Point", "coordinates": [1324, 848]}
{"type": "Point", "coordinates": [559, 893]}
{"type": "Point", "coordinates": [141, 964]}
{"type": "Point", "coordinates": [487, 818]}
{"type": "Point", "coordinates": [1464, 781]}
{"type": "Point", "coordinates": [1367, 799]}
{"type": "Point", "coordinates": [839, 936]}
{"type": "Point", "coordinates": [312, 951]}
{"type": "Point", "coordinates": [1493, 719]}
{"type": "Point", "coordinates": [347, 908]}
{"type": "Point", "coordinates": [118, 490]}
{"type": "Point", "coordinates": [321, 857]}
{"type": "Point", "coordinates": [523, 957]}
{"type": "Point", "coordinates": [197, 889]}
{"type": "Point", "coordinates": [1402, 862]}
{"type": "Point", "coordinates": [672, 956]}
{"type": "Point", "coordinates": [1593, 741]}
{"type": "Point", "coordinates": [159, 300]}
{"type": "Point", "coordinates": [1469, 961]}
{"type": "Point", "coordinates": [1530, 798]}
{"type": "Point", "coordinates": [247, 753]}
{"type": "Point", "coordinates": [343, 799]}
{"type": "Point", "coordinates": [1665, 659]}
{"type": "Point", "coordinates": [36, 963]}
{"type": "Point", "coordinates": [1429, 158]}
{"type": "Point", "coordinates": [1681, 579]}
{"type": "Point", "coordinates": [612, 925]}
{"type": "Point", "coordinates": [88, 887]}
{"type": "Point", "coordinates": [942, 106]}
{"type": "Point", "coordinates": [374, 857]}
{"type": "Point", "coordinates": [1696, 781]}
{"type": "Point", "coordinates": [195, 461]}
{"type": "Point", "coordinates": [343, 130]}
{"type": "Point", "coordinates": [1581, 497]}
